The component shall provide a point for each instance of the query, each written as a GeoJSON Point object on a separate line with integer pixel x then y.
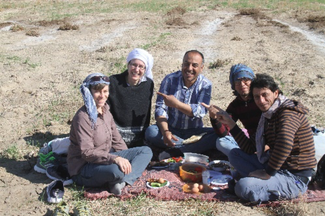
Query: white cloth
{"type": "Point", "coordinates": [260, 142]}
{"type": "Point", "coordinates": [60, 145]}
{"type": "Point", "coordinates": [147, 59]}
{"type": "Point", "coordinates": [319, 140]}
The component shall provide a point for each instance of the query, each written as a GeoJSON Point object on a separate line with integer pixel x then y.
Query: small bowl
{"type": "Point", "coordinates": [191, 172]}
{"type": "Point", "coordinates": [219, 165]}
{"type": "Point", "coordinates": [196, 158]}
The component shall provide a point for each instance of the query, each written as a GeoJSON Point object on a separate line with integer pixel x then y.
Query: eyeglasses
{"type": "Point", "coordinates": [98, 78]}
{"type": "Point", "coordinates": [245, 80]}
{"type": "Point", "coordinates": [134, 66]}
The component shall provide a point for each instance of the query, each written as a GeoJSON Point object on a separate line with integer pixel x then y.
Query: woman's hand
{"type": "Point", "coordinates": [124, 165]}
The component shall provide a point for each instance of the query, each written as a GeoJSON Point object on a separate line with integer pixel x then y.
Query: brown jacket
{"type": "Point", "coordinates": [93, 145]}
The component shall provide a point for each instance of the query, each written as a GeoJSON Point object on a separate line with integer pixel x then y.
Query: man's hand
{"type": "Point", "coordinates": [124, 165]}
{"type": "Point", "coordinates": [169, 100]}
{"type": "Point", "coordinates": [261, 174]}
{"type": "Point", "coordinates": [213, 110]}
{"type": "Point", "coordinates": [168, 139]}
{"type": "Point", "coordinates": [219, 114]}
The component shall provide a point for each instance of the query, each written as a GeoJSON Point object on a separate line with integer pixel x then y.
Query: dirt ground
{"type": "Point", "coordinates": [42, 64]}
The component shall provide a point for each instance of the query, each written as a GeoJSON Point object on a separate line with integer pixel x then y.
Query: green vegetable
{"type": "Point", "coordinates": [156, 184]}
{"type": "Point", "coordinates": [171, 160]}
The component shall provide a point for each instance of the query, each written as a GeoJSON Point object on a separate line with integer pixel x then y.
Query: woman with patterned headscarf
{"type": "Point", "coordinates": [130, 97]}
{"type": "Point", "coordinates": [97, 155]}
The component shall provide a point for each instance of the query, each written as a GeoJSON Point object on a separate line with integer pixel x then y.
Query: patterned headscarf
{"type": "Point", "coordinates": [239, 71]}
{"type": "Point", "coordinates": [147, 59]}
{"type": "Point", "coordinates": [88, 97]}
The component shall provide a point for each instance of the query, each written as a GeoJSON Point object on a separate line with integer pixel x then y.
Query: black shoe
{"type": "Point", "coordinates": [231, 186]}
{"type": "Point", "coordinates": [55, 191]}
{"type": "Point", "coordinates": [59, 172]}
{"type": "Point", "coordinates": [172, 152]}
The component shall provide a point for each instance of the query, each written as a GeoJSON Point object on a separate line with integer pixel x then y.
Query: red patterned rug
{"type": "Point", "coordinates": [175, 192]}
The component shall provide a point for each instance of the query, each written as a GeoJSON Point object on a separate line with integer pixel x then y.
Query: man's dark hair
{"type": "Point", "coordinates": [264, 81]}
{"type": "Point", "coordinates": [194, 51]}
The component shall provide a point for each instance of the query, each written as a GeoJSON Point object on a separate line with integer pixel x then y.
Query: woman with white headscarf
{"type": "Point", "coordinates": [97, 155]}
{"type": "Point", "coordinates": [130, 97]}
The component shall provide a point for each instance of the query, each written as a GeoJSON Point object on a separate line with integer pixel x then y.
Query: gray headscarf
{"type": "Point", "coordinates": [87, 96]}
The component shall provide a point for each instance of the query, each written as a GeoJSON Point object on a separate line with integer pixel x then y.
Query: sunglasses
{"type": "Point", "coordinates": [98, 78]}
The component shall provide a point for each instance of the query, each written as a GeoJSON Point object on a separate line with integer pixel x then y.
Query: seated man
{"type": "Point", "coordinates": [283, 169]}
{"type": "Point", "coordinates": [179, 111]}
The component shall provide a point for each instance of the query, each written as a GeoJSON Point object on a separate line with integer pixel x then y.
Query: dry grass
{"type": "Point", "coordinates": [55, 110]}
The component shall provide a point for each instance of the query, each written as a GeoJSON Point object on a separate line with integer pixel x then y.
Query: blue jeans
{"type": "Point", "coordinates": [98, 175]}
{"type": "Point", "coordinates": [226, 144]}
{"type": "Point", "coordinates": [283, 185]}
{"type": "Point", "coordinates": [207, 142]}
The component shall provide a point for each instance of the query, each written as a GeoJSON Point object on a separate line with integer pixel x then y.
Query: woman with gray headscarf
{"type": "Point", "coordinates": [97, 154]}
{"type": "Point", "coordinates": [130, 97]}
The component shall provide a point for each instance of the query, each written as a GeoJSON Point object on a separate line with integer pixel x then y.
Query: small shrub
{"type": "Point", "coordinates": [33, 33]}
{"type": "Point", "coordinates": [219, 63]}
{"type": "Point", "coordinates": [176, 11]}
{"type": "Point", "coordinates": [16, 28]}
{"type": "Point", "coordinates": [68, 26]}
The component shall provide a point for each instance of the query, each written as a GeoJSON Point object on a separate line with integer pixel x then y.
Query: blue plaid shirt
{"type": "Point", "coordinates": [199, 92]}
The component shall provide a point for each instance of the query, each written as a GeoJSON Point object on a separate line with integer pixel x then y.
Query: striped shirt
{"type": "Point", "coordinates": [199, 92]}
{"type": "Point", "coordinates": [289, 136]}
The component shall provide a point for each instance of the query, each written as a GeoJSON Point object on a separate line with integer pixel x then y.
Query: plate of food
{"type": "Point", "coordinates": [173, 160]}
{"type": "Point", "coordinates": [158, 164]}
{"type": "Point", "coordinates": [221, 180]}
{"type": "Point", "coordinates": [157, 183]}
{"type": "Point", "coordinates": [219, 165]}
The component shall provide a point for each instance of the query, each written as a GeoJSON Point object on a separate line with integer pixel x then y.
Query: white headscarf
{"type": "Point", "coordinates": [88, 97]}
{"type": "Point", "coordinates": [147, 59]}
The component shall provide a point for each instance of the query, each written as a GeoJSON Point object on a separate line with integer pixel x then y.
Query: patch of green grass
{"type": "Point", "coordinates": [62, 107]}
{"type": "Point", "coordinates": [60, 9]}
{"type": "Point", "coordinates": [18, 60]}
{"type": "Point", "coordinates": [34, 142]}
{"type": "Point", "coordinates": [150, 6]}
{"type": "Point", "coordinates": [30, 64]}
{"type": "Point", "coordinates": [14, 58]}
{"type": "Point", "coordinates": [119, 64]}
{"type": "Point", "coordinates": [11, 152]}
{"type": "Point", "coordinates": [279, 80]}
{"type": "Point", "coordinates": [160, 39]}
{"type": "Point", "coordinates": [77, 193]}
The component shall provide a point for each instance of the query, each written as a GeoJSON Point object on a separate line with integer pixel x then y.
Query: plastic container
{"type": "Point", "coordinates": [191, 172]}
{"type": "Point", "coordinates": [205, 177]}
{"type": "Point", "coordinates": [196, 158]}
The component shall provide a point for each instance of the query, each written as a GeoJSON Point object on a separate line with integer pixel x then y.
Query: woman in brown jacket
{"type": "Point", "coordinates": [97, 155]}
